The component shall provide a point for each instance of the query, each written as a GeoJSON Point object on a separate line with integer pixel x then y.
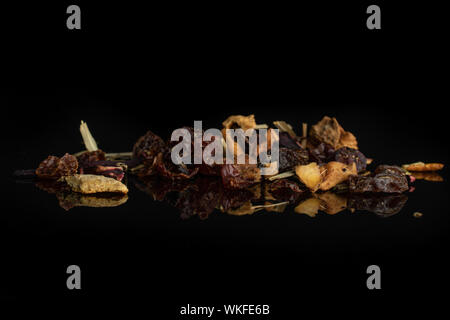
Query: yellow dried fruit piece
{"type": "Point", "coordinates": [309, 207]}
{"type": "Point", "coordinates": [89, 183]}
{"type": "Point", "coordinates": [335, 172]}
{"type": "Point", "coordinates": [421, 166]}
{"type": "Point", "coordinates": [310, 175]}
{"type": "Point", "coordinates": [239, 121]}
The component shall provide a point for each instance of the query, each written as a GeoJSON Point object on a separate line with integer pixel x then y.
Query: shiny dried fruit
{"type": "Point", "coordinates": [310, 175]}
{"type": "Point", "coordinates": [420, 166]}
{"type": "Point", "coordinates": [55, 168]}
{"type": "Point", "coordinates": [386, 179]}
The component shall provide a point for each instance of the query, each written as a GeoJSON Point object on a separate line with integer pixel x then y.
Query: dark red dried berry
{"type": "Point", "coordinates": [54, 167]}
{"type": "Point", "coordinates": [147, 147]}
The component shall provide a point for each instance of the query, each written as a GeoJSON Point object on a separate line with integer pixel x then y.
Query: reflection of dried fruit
{"type": "Point", "coordinates": [54, 167]}
{"type": "Point", "coordinates": [332, 203]}
{"type": "Point", "coordinates": [309, 207]}
{"type": "Point", "coordinates": [238, 121]}
{"type": "Point", "coordinates": [70, 200]}
{"type": "Point", "coordinates": [334, 173]}
{"type": "Point", "coordinates": [427, 176]}
{"type": "Point", "coordinates": [310, 175]}
{"type": "Point", "coordinates": [89, 183]}
{"type": "Point", "coordinates": [420, 166]}
{"type": "Point", "coordinates": [328, 130]}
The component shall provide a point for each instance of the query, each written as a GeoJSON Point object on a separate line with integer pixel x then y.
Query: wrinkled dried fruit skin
{"type": "Point", "coordinates": [348, 156]}
{"type": "Point", "coordinates": [387, 179]}
{"type": "Point", "coordinates": [148, 147]}
{"type": "Point", "coordinates": [382, 205]}
{"type": "Point", "coordinates": [286, 190]}
{"type": "Point", "coordinates": [55, 168]}
{"type": "Point", "coordinates": [289, 158]}
{"type": "Point", "coordinates": [322, 153]}
{"type": "Point", "coordinates": [86, 158]}
{"type": "Point", "coordinates": [240, 175]}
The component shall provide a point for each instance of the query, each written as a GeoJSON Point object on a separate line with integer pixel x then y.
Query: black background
{"type": "Point", "coordinates": [133, 68]}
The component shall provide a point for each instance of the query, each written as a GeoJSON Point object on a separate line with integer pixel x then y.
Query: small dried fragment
{"type": "Point", "coordinates": [309, 207]}
{"type": "Point", "coordinates": [334, 173]}
{"type": "Point", "coordinates": [89, 183]}
{"type": "Point", "coordinates": [239, 121]}
{"type": "Point", "coordinates": [420, 166]}
{"type": "Point", "coordinates": [417, 214]}
{"type": "Point", "coordinates": [310, 175]}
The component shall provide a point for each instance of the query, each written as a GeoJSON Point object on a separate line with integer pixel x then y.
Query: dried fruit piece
{"type": "Point", "coordinates": [309, 207]}
{"type": "Point", "coordinates": [54, 167]}
{"type": "Point", "coordinates": [420, 166]}
{"type": "Point", "coordinates": [348, 155]}
{"type": "Point", "coordinates": [86, 158]}
{"type": "Point", "coordinates": [239, 121]}
{"type": "Point", "coordinates": [89, 183]}
{"type": "Point", "coordinates": [329, 130]}
{"type": "Point", "coordinates": [310, 175]}
{"type": "Point", "coordinates": [148, 147]}
{"type": "Point", "coordinates": [387, 179]}
{"type": "Point", "coordinates": [334, 173]}
{"type": "Point", "coordinates": [417, 214]}
{"type": "Point", "coordinates": [240, 175]}
{"type": "Point", "coordinates": [289, 158]}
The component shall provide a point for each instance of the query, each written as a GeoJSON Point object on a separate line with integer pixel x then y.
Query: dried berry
{"type": "Point", "coordinates": [55, 168]}
{"type": "Point", "coordinates": [386, 179]}
{"type": "Point", "coordinates": [240, 175]}
{"type": "Point", "coordinates": [147, 147]}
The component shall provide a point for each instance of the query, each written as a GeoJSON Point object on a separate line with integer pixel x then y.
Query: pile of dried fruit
{"type": "Point", "coordinates": [321, 169]}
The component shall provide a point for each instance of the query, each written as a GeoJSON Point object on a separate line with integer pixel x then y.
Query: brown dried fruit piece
{"type": "Point", "coordinates": [239, 121]}
{"type": "Point", "coordinates": [334, 173]}
{"type": "Point", "coordinates": [329, 130]}
{"type": "Point", "coordinates": [420, 166]}
{"type": "Point", "coordinates": [54, 167]}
